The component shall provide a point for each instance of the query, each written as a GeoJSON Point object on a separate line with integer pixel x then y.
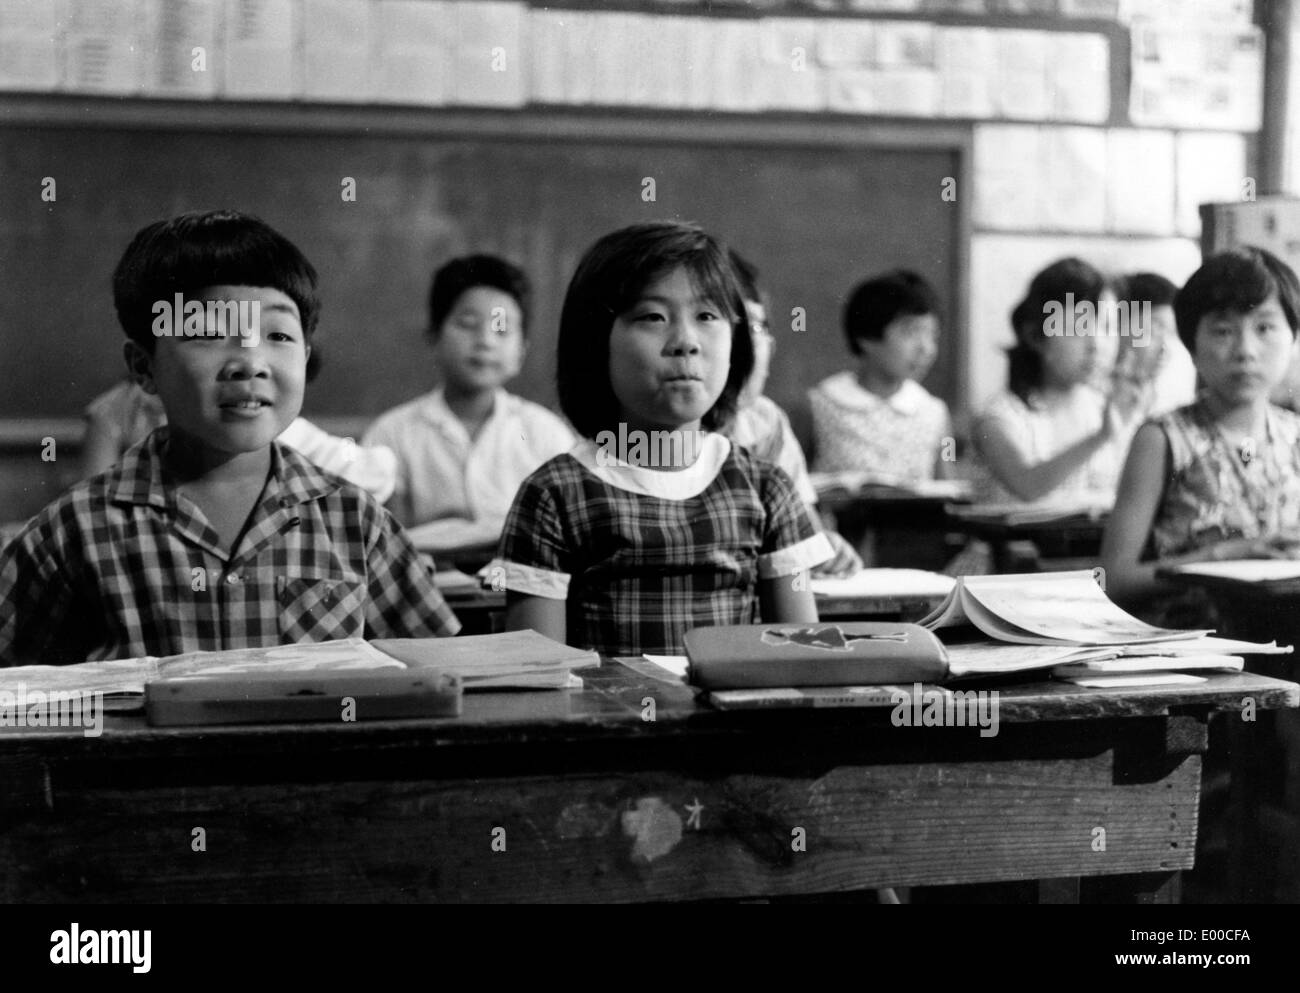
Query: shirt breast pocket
{"type": "Point", "coordinates": [320, 608]}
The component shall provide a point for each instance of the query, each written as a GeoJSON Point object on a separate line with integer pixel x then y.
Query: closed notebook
{"type": "Point", "coordinates": [864, 653]}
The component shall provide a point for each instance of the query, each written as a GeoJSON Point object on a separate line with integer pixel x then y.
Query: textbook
{"type": "Point", "coordinates": [1262, 571]}
{"type": "Point", "coordinates": [818, 696]}
{"type": "Point", "coordinates": [1045, 608]}
{"type": "Point", "coordinates": [751, 656]}
{"type": "Point", "coordinates": [513, 660]}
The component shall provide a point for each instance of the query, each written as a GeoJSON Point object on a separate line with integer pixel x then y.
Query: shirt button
{"type": "Point", "coordinates": [232, 578]}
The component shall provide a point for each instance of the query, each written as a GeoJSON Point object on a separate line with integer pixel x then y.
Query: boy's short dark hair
{"type": "Point", "coordinates": [1236, 281]}
{"type": "Point", "coordinates": [190, 252]}
{"type": "Point", "coordinates": [470, 271]}
{"type": "Point", "coordinates": [1149, 287]}
{"type": "Point", "coordinates": [609, 279]}
{"type": "Point", "coordinates": [876, 302]}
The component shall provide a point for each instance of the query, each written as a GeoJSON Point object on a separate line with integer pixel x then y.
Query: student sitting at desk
{"type": "Point", "coordinates": [878, 417]}
{"type": "Point", "coordinates": [763, 427]}
{"type": "Point", "coordinates": [655, 523]}
{"type": "Point", "coordinates": [1154, 359]}
{"type": "Point", "coordinates": [464, 448]}
{"type": "Point", "coordinates": [1053, 438]}
{"type": "Point", "coordinates": [1220, 478]}
{"type": "Point", "coordinates": [210, 534]}
{"type": "Point", "coordinates": [125, 414]}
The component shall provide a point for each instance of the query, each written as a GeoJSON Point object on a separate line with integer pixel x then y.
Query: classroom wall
{"type": "Point", "coordinates": [1094, 126]}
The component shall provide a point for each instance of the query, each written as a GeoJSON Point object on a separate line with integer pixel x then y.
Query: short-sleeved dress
{"type": "Point", "coordinates": [641, 556]}
{"type": "Point", "coordinates": [1218, 491]}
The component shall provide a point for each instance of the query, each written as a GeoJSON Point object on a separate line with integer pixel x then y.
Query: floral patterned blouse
{"type": "Point", "coordinates": [1217, 490]}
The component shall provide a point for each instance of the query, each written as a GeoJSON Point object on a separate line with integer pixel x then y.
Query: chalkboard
{"type": "Point", "coordinates": [813, 212]}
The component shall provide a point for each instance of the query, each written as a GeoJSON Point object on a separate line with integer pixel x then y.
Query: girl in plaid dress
{"type": "Point", "coordinates": [654, 523]}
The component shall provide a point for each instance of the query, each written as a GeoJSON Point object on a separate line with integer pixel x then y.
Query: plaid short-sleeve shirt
{"type": "Point", "coordinates": [641, 556]}
{"type": "Point", "coordinates": [123, 565]}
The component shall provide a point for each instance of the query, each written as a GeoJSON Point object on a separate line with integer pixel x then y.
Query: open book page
{"type": "Point", "coordinates": [996, 658]}
{"type": "Point", "coordinates": [513, 660]}
{"type": "Point", "coordinates": [1248, 570]}
{"type": "Point", "coordinates": [1130, 680]}
{"type": "Point", "coordinates": [119, 677]}
{"type": "Point", "coordinates": [1055, 608]}
{"type": "Point", "coordinates": [1209, 645]}
{"type": "Point", "coordinates": [308, 657]}
{"type": "Point", "coordinates": [827, 483]}
{"type": "Point", "coordinates": [1151, 663]}
{"type": "Point", "coordinates": [886, 583]}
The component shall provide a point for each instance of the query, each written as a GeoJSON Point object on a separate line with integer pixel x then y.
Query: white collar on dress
{"type": "Point", "coordinates": [681, 484]}
{"type": "Point", "coordinates": [845, 390]}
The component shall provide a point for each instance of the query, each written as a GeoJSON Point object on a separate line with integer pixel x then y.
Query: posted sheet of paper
{"type": "Point", "coordinates": [261, 50]}
{"type": "Point", "coordinates": [29, 54]}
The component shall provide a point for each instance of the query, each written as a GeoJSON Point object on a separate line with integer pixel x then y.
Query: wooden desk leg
{"type": "Point", "coordinates": [1158, 887]}
{"type": "Point", "coordinates": [1059, 890]}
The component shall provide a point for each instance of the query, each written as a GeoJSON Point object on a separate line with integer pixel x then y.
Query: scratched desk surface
{"type": "Point", "coordinates": [613, 705]}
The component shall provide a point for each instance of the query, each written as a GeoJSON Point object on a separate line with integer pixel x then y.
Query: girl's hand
{"type": "Point", "coordinates": [1127, 399]}
{"type": "Point", "coordinates": [846, 563]}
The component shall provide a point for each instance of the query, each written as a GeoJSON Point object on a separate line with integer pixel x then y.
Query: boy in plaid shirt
{"type": "Point", "coordinates": [210, 534]}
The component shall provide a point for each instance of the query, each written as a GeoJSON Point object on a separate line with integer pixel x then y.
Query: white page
{"type": "Point", "coordinates": [29, 52]}
{"type": "Point", "coordinates": [102, 46]}
{"type": "Point", "coordinates": [992, 658]}
{"type": "Point", "coordinates": [736, 66]}
{"type": "Point", "coordinates": [306, 657]}
{"type": "Point", "coordinates": [1247, 570]}
{"type": "Point", "coordinates": [1061, 607]}
{"type": "Point", "coordinates": [262, 54]}
{"type": "Point", "coordinates": [1210, 169]}
{"type": "Point", "coordinates": [907, 92]}
{"type": "Point", "coordinates": [180, 46]}
{"type": "Point", "coordinates": [412, 57]}
{"type": "Point", "coordinates": [1151, 663]}
{"type": "Point", "coordinates": [678, 665]}
{"type": "Point", "coordinates": [1130, 680]}
{"type": "Point", "coordinates": [905, 44]}
{"type": "Point", "coordinates": [846, 44]}
{"type": "Point", "coordinates": [118, 676]}
{"type": "Point", "coordinates": [886, 582]}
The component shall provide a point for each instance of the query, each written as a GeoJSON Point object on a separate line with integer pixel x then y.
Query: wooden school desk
{"type": "Point", "coordinates": [891, 528]}
{"type": "Point", "coordinates": [1265, 755]}
{"type": "Point", "coordinates": [579, 796]}
{"type": "Point", "coordinates": [1069, 543]}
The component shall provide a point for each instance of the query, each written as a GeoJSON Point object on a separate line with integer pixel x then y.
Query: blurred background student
{"type": "Point", "coordinates": [1053, 437]}
{"type": "Point", "coordinates": [464, 447]}
{"type": "Point", "coordinates": [764, 428]}
{"type": "Point", "coordinates": [877, 417]}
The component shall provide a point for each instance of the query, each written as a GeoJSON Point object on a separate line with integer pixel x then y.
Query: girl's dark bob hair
{"type": "Point", "coordinates": [190, 252]}
{"type": "Point", "coordinates": [611, 278]}
{"type": "Point", "coordinates": [1065, 276]}
{"type": "Point", "coordinates": [1236, 282]}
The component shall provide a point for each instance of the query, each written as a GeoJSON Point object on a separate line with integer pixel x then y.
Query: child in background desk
{"type": "Point", "coordinates": [125, 414]}
{"type": "Point", "coordinates": [879, 418]}
{"type": "Point", "coordinates": [1154, 357]}
{"type": "Point", "coordinates": [763, 427]}
{"type": "Point", "coordinates": [210, 534]}
{"type": "Point", "coordinates": [1052, 438]}
{"type": "Point", "coordinates": [464, 448]}
{"type": "Point", "coordinates": [1220, 478]}
{"type": "Point", "coordinates": [655, 523]}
